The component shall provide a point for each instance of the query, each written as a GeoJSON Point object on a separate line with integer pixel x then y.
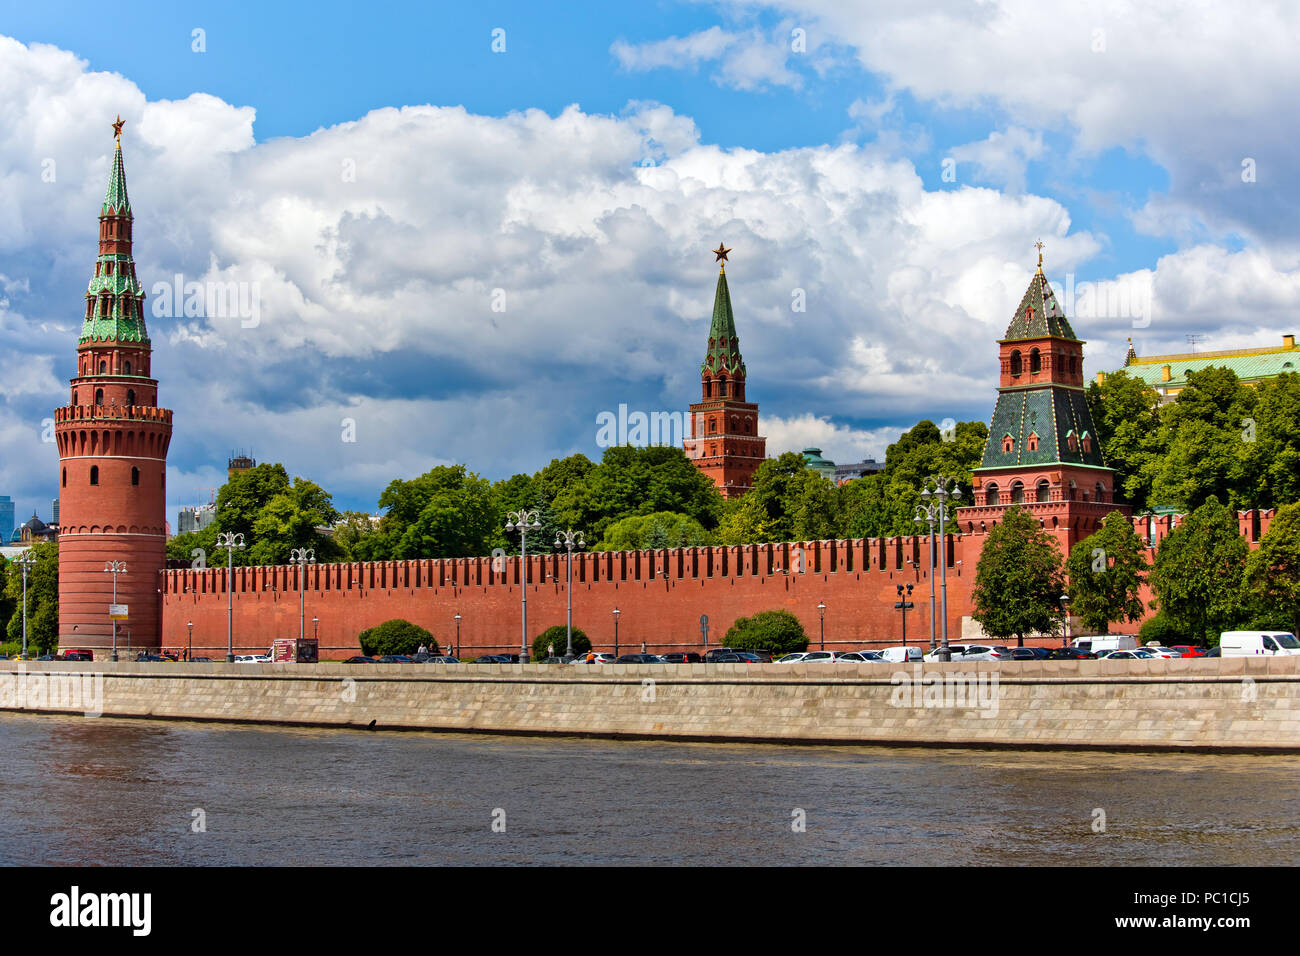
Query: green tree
{"type": "Point", "coordinates": [352, 532]}
{"type": "Point", "coordinates": [1199, 570]}
{"type": "Point", "coordinates": [787, 502]}
{"type": "Point", "coordinates": [660, 530]}
{"type": "Point", "coordinates": [557, 637]}
{"type": "Point", "coordinates": [1273, 571]}
{"type": "Point", "coordinates": [1018, 582]}
{"type": "Point", "coordinates": [42, 600]}
{"type": "Point", "coordinates": [1125, 412]}
{"type": "Point", "coordinates": [294, 518]}
{"type": "Point", "coordinates": [1161, 629]}
{"type": "Point", "coordinates": [1107, 570]}
{"type": "Point", "coordinates": [777, 631]}
{"type": "Point", "coordinates": [447, 512]}
{"type": "Point", "coordinates": [183, 546]}
{"type": "Point", "coordinates": [395, 636]}
{"type": "Point", "coordinates": [1272, 444]}
{"type": "Point", "coordinates": [7, 604]}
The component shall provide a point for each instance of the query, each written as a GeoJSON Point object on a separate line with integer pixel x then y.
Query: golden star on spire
{"type": "Point", "coordinates": [721, 254]}
{"type": "Point", "coordinates": [117, 127]}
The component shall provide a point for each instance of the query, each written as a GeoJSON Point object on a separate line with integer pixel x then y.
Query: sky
{"type": "Point", "coordinates": [461, 233]}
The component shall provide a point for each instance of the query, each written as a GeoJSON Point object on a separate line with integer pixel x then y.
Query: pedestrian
{"type": "Point", "coordinates": [423, 650]}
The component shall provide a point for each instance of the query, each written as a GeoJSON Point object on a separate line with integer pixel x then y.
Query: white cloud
{"type": "Point", "coordinates": [746, 60]}
{"type": "Point", "coordinates": [840, 443]}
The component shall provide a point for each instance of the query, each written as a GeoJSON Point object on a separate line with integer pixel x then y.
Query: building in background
{"type": "Point", "coordinates": [1167, 374]}
{"type": "Point", "coordinates": [33, 531]}
{"type": "Point", "coordinates": [812, 457]}
{"type": "Point", "coordinates": [54, 513]}
{"type": "Point", "coordinates": [724, 441]}
{"type": "Point", "coordinates": [239, 464]}
{"type": "Point", "coordinates": [6, 518]}
{"type": "Point", "coordinates": [195, 519]}
{"type": "Point", "coordinates": [858, 469]}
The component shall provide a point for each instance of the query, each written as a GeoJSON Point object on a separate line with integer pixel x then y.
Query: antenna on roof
{"type": "Point", "coordinates": [1193, 339]}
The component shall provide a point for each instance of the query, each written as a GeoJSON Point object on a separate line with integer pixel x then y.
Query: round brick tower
{"type": "Point", "coordinates": [113, 442]}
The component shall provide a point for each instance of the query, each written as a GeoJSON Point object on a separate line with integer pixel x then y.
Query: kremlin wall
{"type": "Point", "coordinates": [660, 594]}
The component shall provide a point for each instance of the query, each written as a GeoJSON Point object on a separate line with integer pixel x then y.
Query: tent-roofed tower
{"type": "Point", "coordinates": [1042, 451]}
{"type": "Point", "coordinates": [724, 442]}
{"type": "Point", "coordinates": [113, 441]}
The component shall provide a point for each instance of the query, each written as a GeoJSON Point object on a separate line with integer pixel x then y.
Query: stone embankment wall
{"type": "Point", "coordinates": [1233, 704]}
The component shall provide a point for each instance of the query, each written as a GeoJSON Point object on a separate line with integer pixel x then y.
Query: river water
{"type": "Point", "coordinates": [108, 791]}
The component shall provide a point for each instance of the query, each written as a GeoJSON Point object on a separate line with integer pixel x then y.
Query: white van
{"type": "Point", "coordinates": [901, 655]}
{"type": "Point", "coordinates": [1100, 643]}
{"type": "Point", "coordinates": [1250, 643]}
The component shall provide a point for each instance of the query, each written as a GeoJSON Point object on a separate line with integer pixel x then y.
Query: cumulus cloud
{"type": "Point", "coordinates": [746, 59]}
{"type": "Point", "coordinates": [475, 289]}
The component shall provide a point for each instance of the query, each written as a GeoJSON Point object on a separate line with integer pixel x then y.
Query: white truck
{"type": "Point", "coordinates": [1251, 643]}
{"type": "Point", "coordinates": [1100, 643]}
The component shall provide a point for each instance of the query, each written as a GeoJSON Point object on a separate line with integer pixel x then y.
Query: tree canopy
{"type": "Point", "coordinates": [1198, 573]}
{"type": "Point", "coordinates": [1107, 570]}
{"type": "Point", "coordinates": [1019, 580]}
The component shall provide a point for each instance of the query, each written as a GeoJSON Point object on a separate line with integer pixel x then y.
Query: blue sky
{"type": "Point", "coordinates": [813, 136]}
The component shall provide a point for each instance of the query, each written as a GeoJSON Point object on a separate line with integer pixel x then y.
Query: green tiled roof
{"type": "Point", "coordinates": [116, 201]}
{"type": "Point", "coordinates": [1249, 365]}
{"type": "Point", "coordinates": [1047, 317]}
{"type": "Point", "coordinates": [724, 345]}
{"type": "Point", "coordinates": [1050, 412]}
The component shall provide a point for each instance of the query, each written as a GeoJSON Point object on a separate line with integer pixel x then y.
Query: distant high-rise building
{"type": "Point", "coordinates": [195, 519]}
{"type": "Point", "coordinates": [54, 511]}
{"type": "Point", "coordinates": [239, 463]}
{"type": "Point", "coordinates": [6, 519]}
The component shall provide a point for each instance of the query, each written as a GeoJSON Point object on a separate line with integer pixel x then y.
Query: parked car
{"type": "Point", "coordinates": [359, 659]}
{"type": "Point", "coordinates": [792, 658]}
{"type": "Point", "coordinates": [860, 657]}
{"type": "Point", "coordinates": [985, 652]}
{"type": "Point", "coordinates": [682, 657]}
{"type": "Point", "coordinates": [955, 649]}
{"type": "Point", "coordinates": [819, 657]}
{"type": "Point", "coordinates": [1105, 642]}
{"type": "Point", "coordinates": [143, 656]}
{"type": "Point", "coordinates": [1070, 654]}
{"type": "Point", "coordinates": [199, 660]}
{"type": "Point", "coordinates": [1026, 653]}
{"type": "Point", "coordinates": [1159, 650]}
{"type": "Point", "coordinates": [1137, 654]}
{"type": "Point", "coordinates": [753, 657]}
{"type": "Point", "coordinates": [396, 659]}
{"type": "Point", "coordinates": [445, 659]}
{"type": "Point", "coordinates": [713, 653]}
{"type": "Point", "coordinates": [901, 655]}
{"type": "Point", "coordinates": [1266, 643]}
{"type": "Point", "coordinates": [247, 659]}
{"type": "Point", "coordinates": [78, 656]}
{"type": "Point", "coordinates": [492, 659]}
{"type": "Point", "coordinates": [639, 659]}
{"type": "Point", "coordinates": [1214, 652]}
{"type": "Point", "coordinates": [726, 659]}
{"type": "Point", "coordinates": [1189, 650]}
{"type": "Point", "coordinates": [54, 657]}
{"type": "Point", "coordinates": [595, 657]}
{"type": "Point", "coordinates": [764, 657]}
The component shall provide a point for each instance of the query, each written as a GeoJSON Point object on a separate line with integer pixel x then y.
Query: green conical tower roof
{"type": "Point", "coordinates": [1039, 313]}
{"type": "Point", "coordinates": [116, 201]}
{"type": "Point", "coordinates": [114, 297]}
{"type": "Point", "coordinates": [724, 345]}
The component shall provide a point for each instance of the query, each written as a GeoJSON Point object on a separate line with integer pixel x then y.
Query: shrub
{"type": "Point", "coordinates": [558, 636]}
{"type": "Point", "coordinates": [777, 631]}
{"type": "Point", "coordinates": [11, 648]}
{"type": "Point", "coordinates": [397, 636]}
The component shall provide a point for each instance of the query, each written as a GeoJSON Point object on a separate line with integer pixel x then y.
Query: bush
{"type": "Point", "coordinates": [558, 636]}
{"type": "Point", "coordinates": [397, 636]}
{"type": "Point", "coordinates": [11, 648]}
{"type": "Point", "coordinates": [1164, 630]}
{"type": "Point", "coordinates": [777, 631]}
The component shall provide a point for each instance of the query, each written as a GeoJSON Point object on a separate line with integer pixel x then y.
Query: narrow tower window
{"type": "Point", "coordinates": [1015, 362]}
{"type": "Point", "coordinates": [94, 474]}
{"type": "Point", "coordinates": [99, 396]}
{"type": "Point", "coordinates": [1044, 491]}
{"type": "Point", "coordinates": [135, 476]}
{"type": "Point", "coordinates": [1035, 362]}
{"type": "Point", "coordinates": [991, 495]}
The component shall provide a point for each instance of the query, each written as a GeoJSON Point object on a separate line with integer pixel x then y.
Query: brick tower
{"type": "Point", "coordinates": [113, 442]}
{"type": "Point", "coordinates": [1042, 451]}
{"type": "Point", "coordinates": [724, 442]}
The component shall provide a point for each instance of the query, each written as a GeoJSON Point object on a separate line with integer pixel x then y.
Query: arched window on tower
{"type": "Point", "coordinates": [1086, 441]}
{"type": "Point", "coordinates": [135, 476]}
{"type": "Point", "coordinates": [1035, 362]}
{"type": "Point", "coordinates": [1101, 491]}
{"type": "Point", "coordinates": [99, 396]}
{"type": "Point", "coordinates": [126, 369]}
{"type": "Point", "coordinates": [103, 367]}
{"type": "Point", "coordinates": [1071, 440]}
{"type": "Point", "coordinates": [991, 496]}
{"type": "Point", "coordinates": [1032, 441]}
{"type": "Point", "coordinates": [130, 396]}
{"type": "Point", "coordinates": [1074, 364]}
{"type": "Point", "coordinates": [1017, 493]}
{"type": "Point", "coordinates": [1008, 444]}
{"type": "Point", "coordinates": [713, 426]}
{"type": "Point", "coordinates": [94, 474]}
{"type": "Point", "coordinates": [1044, 491]}
{"type": "Point", "coordinates": [1015, 362]}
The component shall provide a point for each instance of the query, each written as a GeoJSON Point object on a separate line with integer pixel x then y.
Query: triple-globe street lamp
{"type": "Point", "coordinates": [936, 492]}
{"type": "Point", "coordinates": [232, 542]}
{"type": "Point", "coordinates": [523, 521]}
{"type": "Point", "coordinates": [25, 561]}
{"type": "Point", "coordinates": [115, 568]}
{"type": "Point", "coordinates": [568, 540]}
{"type": "Point", "coordinates": [302, 557]}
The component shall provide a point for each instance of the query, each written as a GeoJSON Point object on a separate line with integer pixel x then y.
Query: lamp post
{"type": "Point", "coordinates": [938, 490]}
{"type": "Point", "coordinates": [821, 613]}
{"type": "Point", "coordinates": [25, 561]}
{"type": "Point", "coordinates": [457, 654]}
{"type": "Point", "coordinates": [617, 612]}
{"type": "Point", "coordinates": [315, 629]}
{"type": "Point", "coordinates": [926, 515]}
{"type": "Point", "coordinates": [1065, 610]}
{"type": "Point", "coordinates": [232, 542]}
{"type": "Point", "coordinates": [568, 540]}
{"type": "Point", "coordinates": [904, 605]}
{"type": "Point", "coordinates": [523, 522]}
{"type": "Point", "coordinates": [189, 645]}
{"type": "Point", "coordinates": [115, 568]}
{"type": "Point", "coordinates": [302, 557]}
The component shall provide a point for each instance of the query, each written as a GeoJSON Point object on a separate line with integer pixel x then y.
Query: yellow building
{"type": "Point", "coordinates": [1167, 374]}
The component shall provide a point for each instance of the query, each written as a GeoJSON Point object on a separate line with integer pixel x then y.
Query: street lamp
{"type": "Point", "coordinates": [189, 646]}
{"type": "Point", "coordinates": [523, 521]}
{"type": "Point", "coordinates": [302, 557]}
{"type": "Point", "coordinates": [315, 629]}
{"type": "Point", "coordinates": [904, 605]}
{"type": "Point", "coordinates": [232, 542]}
{"type": "Point", "coordinates": [1065, 610]}
{"type": "Point", "coordinates": [457, 635]}
{"type": "Point", "coordinates": [942, 490]}
{"type": "Point", "coordinates": [25, 561]}
{"type": "Point", "coordinates": [114, 568]}
{"type": "Point", "coordinates": [821, 612]}
{"type": "Point", "coordinates": [569, 540]}
{"type": "Point", "coordinates": [617, 612]}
